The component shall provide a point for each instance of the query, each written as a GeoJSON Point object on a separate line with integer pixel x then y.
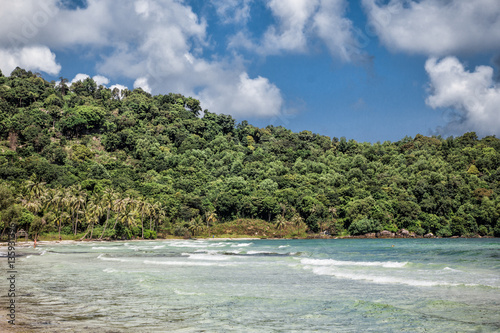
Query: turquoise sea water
{"type": "Point", "coordinates": [345, 285]}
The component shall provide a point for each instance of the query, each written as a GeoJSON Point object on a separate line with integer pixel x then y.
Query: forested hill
{"type": "Point", "coordinates": [82, 158]}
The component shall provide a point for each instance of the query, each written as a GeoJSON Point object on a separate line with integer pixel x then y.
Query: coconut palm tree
{"type": "Point", "coordinates": [196, 225]}
{"type": "Point", "coordinates": [144, 208]}
{"type": "Point", "coordinates": [280, 222]}
{"type": "Point", "coordinates": [35, 189]}
{"type": "Point", "coordinates": [108, 200]}
{"type": "Point", "coordinates": [93, 214]}
{"type": "Point", "coordinates": [59, 202]}
{"type": "Point", "coordinates": [297, 221]}
{"type": "Point", "coordinates": [211, 217]}
{"type": "Point", "coordinates": [78, 203]}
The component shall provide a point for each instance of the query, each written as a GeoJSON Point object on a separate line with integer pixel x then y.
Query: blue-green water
{"type": "Point", "coordinates": [349, 285]}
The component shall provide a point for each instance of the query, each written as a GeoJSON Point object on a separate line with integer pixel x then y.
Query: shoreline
{"type": "Point", "coordinates": [27, 244]}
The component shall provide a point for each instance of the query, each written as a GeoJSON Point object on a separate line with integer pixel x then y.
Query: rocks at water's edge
{"type": "Point", "coordinates": [403, 233]}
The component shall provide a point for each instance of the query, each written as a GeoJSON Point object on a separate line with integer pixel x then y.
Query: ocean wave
{"type": "Point", "coordinates": [106, 248]}
{"type": "Point", "coordinates": [185, 263]}
{"type": "Point", "coordinates": [384, 279]}
{"type": "Point", "coordinates": [206, 256]}
{"type": "Point", "coordinates": [241, 245]}
{"type": "Point", "coordinates": [331, 262]}
{"type": "Point", "coordinates": [109, 270]}
{"type": "Point", "coordinates": [101, 257]}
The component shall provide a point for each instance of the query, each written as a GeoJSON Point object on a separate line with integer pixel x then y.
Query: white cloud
{"type": "Point", "coordinates": [299, 22]}
{"type": "Point", "coordinates": [118, 86]}
{"type": "Point", "coordinates": [244, 96]}
{"type": "Point", "coordinates": [79, 77]}
{"type": "Point", "coordinates": [157, 43]}
{"type": "Point", "coordinates": [337, 31]}
{"type": "Point", "coordinates": [100, 80]}
{"type": "Point", "coordinates": [474, 96]}
{"type": "Point", "coordinates": [232, 11]}
{"type": "Point", "coordinates": [293, 15]}
{"type": "Point", "coordinates": [142, 83]}
{"type": "Point", "coordinates": [436, 27]}
{"type": "Point", "coordinates": [35, 58]}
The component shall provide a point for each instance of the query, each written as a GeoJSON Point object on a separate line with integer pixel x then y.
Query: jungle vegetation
{"type": "Point", "coordinates": [83, 160]}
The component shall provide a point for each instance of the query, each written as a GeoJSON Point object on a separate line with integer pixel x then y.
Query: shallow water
{"type": "Point", "coordinates": [348, 285]}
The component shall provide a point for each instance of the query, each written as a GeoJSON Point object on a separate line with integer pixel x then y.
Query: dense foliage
{"type": "Point", "coordinates": [83, 158]}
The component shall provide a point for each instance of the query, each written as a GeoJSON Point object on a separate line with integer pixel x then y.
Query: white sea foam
{"type": "Point", "coordinates": [221, 244]}
{"type": "Point", "coordinates": [188, 244]}
{"type": "Point", "coordinates": [106, 248]}
{"type": "Point", "coordinates": [184, 263]}
{"type": "Point", "coordinates": [379, 279]}
{"type": "Point", "coordinates": [241, 244]}
{"type": "Point", "coordinates": [101, 256]}
{"type": "Point", "coordinates": [186, 293]}
{"type": "Point", "coordinates": [260, 252]}
{"type": "Point", "coordinates": [282, 246]}
{"type": "Point", "coordinates": [141, 248]}
{"type": "Point", "coordinates": [109, 270]}
{"type": "Point", "coordinates": [331, 262]}
{"type": "Point", "coordinates": [206, 256]}
{"type": "Point", "coordinates": [451, 269]}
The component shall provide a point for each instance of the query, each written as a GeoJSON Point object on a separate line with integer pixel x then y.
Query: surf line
{"type": "Point", "coordinates": [11, 272]}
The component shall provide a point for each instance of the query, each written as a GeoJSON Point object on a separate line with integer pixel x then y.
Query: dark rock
{"type": "Point", "coordinates": [385, 234]}
{"type": "Point", "coordinates": [404, 233]}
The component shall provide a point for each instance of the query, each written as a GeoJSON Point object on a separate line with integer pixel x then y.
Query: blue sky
{"type": "Point", "coordinates": [368, 70]}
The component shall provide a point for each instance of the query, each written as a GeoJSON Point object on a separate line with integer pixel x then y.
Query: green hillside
{"type": "Point", "coordinates": [82, 160]}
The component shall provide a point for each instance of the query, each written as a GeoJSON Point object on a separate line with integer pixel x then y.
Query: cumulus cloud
{"type": "Point", "coordinates": [79, 77]}
{"type": "Point", "coordinates": [256, 97]}
{"type": "Point", "coordinates": [232, 11]}
{"type": "Point", "coordinates": [98, 79]}
{"type": "Point", "coordinates": [300, 21]}
{"type": "Point", "coordinates": [142, 83]}
{"type": "Point", "coordinates": [474, 96]}
{"type": "Point", "coordinates": [435, 27]}
{"type": "Point", "coordinates": [338, 33]}
{"type": "Point", "coordinates": [157, 43]}
{"type": "Point", "coordinates": [35, 58]}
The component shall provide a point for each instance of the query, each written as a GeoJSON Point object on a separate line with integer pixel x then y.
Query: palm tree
{"type": "Point", "coordinates": [59, 202]}
{"type": "Point", "coordinates": [35, 189]}
{"type": "Point", "coordinates": [108, 200]}
{"type": "Point", "coordinates": [78, 203]}
{"type": "Point", "coordinates": [93, 214]}
{"type": "Point", "coordinates": [144, 208]}
{"type": "Point", "coordinates": [33, 206]}
{"type": "Point", "coordinates": [211, 217]}
{"type": "Point", "coordinates": [280, 222]}
{"type": "Point", "coordinates": [196, 225]}
{"type": "Point", "coordinates": [120, 205]}
{"type": "Point", "coordinates": [128, 217]}
{"type": "Point", "coordinates": [297, 221]}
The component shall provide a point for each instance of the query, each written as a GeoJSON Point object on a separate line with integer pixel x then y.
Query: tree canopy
{"type": "Point", "coordinates": [85, 159]}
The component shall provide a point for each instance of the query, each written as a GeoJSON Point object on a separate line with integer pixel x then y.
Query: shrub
{"type": "Point", "coordinates": [364, 226]}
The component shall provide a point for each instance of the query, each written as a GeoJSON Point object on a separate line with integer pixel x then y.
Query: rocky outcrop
{"type": "Point", "coordinates": [403, 233]}
{"type": "Point", "coordinates": [385, 234]}
{"type": "Point", "coordinates": [429, 235]}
